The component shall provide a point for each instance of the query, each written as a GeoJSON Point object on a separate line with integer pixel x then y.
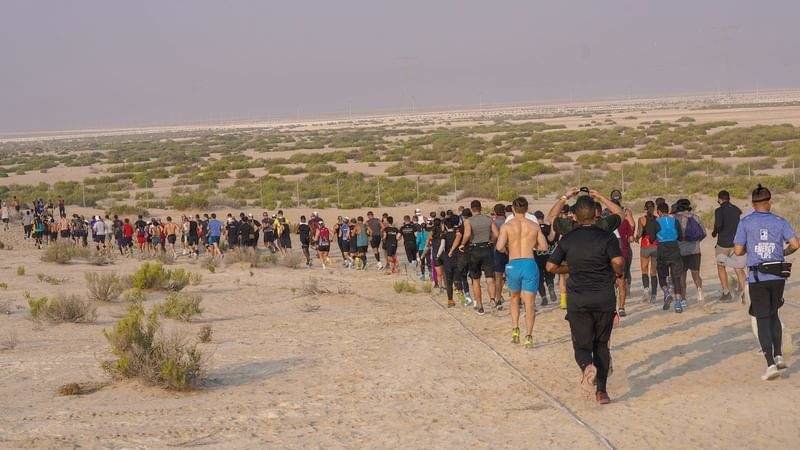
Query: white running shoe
{"type": "Point", "coordinates": [771, 374]}
{"type": "Point", "coordinates": [780, 363]}
{"type": "Point", "coordinates": [699, 296]}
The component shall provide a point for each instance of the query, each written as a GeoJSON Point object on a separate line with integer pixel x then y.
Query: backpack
{"type": "Point", "coordinates": [324, 236]}
{"type": "Point", "coordinates": [694, 232]}
{"type": "Point", "coordinates": [651, 227]}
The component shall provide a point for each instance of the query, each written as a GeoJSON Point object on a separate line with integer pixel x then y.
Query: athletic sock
{"type": "Point", "coordinates": [653, 285]}
{"type": "Point", "coordinates": [646, 282]}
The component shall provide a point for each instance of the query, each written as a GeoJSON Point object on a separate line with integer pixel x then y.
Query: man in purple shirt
{"type": "Point", "coordinates": [761, 235]}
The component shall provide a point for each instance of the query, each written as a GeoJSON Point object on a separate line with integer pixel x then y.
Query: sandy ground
{"type": "Point", "coordinates": [375, 369]}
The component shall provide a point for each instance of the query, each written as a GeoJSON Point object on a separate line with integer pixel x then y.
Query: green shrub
{"type": "Point", "coordinates": [178, 279]}
{"type": "Point", "coordinates": [142, 353]}
{"type": "Point", "coordinates": [180, 306]}
{"type": "Point", "coordinates": [402, 286]}
{"type": "Point", "coordinates": [103, 287]}
{"type": "Point", "coordinates": [62, 308]}
{"type": "Point", "coordinates": [150, 275]}
{"type": "Point", "coordinates": [134, 295]}
{"type": "Point", "coordinates": [62, 252]}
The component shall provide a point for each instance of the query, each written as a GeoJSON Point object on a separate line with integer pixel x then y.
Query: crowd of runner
{"type": "Point", "coordinates": [589, 245]}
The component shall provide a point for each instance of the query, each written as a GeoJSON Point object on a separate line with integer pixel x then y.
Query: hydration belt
{"type": "Point", "coordinates": [777, 268]}
{"type": "Point", "coordinates": [480, 245]}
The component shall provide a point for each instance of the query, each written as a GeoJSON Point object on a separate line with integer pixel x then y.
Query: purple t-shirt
{"type": "Point", "coordinates": [763, 235]}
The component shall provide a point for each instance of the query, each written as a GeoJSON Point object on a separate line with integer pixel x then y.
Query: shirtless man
{"type": "Point", "coordinates": [518, 238]}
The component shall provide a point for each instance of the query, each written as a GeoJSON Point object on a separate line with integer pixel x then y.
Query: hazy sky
{"type": "Point", "coordinates": [103, 63]}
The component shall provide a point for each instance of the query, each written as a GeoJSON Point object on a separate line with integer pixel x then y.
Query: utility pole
{"type": "Point", "coordinates": [455, 187]}
{"type": "Point", "coordinates": [794, 174]}
{"type": "Point", "coordinates": [417, 199]}
{"type": "Point", "coordinates": [537, 188]}
{"type": "Point", "coordinates": [338, 197]}
{"type": "Point", "coordinates": [83, 193]}
{"type": "Point", "coordinates": [297, 188]}
{"type": "Point", "coordinates": [498, 186]}
{"type": "Point", "coordinates": [622, 169]}
{"type": "Point", "coordinates": [379, 192]}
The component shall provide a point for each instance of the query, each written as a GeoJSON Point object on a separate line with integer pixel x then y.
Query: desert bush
{"type": "Point", "coordinates": [62, 308]}
{"type": "Point", "coordinates": [205, 334]}
{"type": "Point", "coordinates": [80, 388]}
{"type": "Point", "coordinates": [144, 353]}
{"type": "Point", "coordinates": [134, 295]}
{"type": "Point", "coordinates": [20, 271]}
{"type": "Point", "coordinates": [103, 287]}
{"type": "Point", "coordinates": [292, 260]}
{"type": "Point", "coordinates": [427, 287]}
{"type": "Point", "coordinates": [3, 285]}
{"type": "Point", "coordinates": [180, 306]}
{"type": "Point", "coordinates": [49, 280]}
{"type": "Point", "coordinates": [150, 275]}
{"type": "Point", "coordinates": [178, 279]}
{"type": "Point", "coordinates": [101, 259]}
{"type": "Point", "coordinates": [244, 255]}
{"type": "Point", "coordinates": [62, 252]}
{"type": "Point", "coordinates": [312, 287]}
{"type": "Point", "coordinates": [210, 263]}
{"type": "Point", "coordinates": [8, 341]}
{"type": "Point", "coordinates": [402, 286]}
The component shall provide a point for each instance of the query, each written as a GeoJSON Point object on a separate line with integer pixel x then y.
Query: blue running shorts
{"type": "Point", "coordinates": [522, 274]}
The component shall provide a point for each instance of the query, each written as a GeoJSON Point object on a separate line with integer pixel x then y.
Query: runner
{"type": "Point", "coordinates": [214, 235]}
{"type": "Point", "coordinates": [171, 232]}
{"type": "Point", "coordinates": [726, 221]}
{"type": "Point", "coordinates": [480, 231]}
{"type": "Point", "coordinates": [437, 235]}
{"type": "Point", "coordinates": [518, 238]}
{"type": "Point", "coordinates": [362, 243]}
{"type": "Point", "coordinates": [409, 233]}
{"type": "Point", "coordinates": [323, 239]}
{"type": "Point", "coordinates": [448, 251]}
{"type": "Point", "coordinates": [5, 215]}
{"type": "Point", "coordinates": [141, 233]}
{"type": "Point", "coordinates": [693, 234]}
{"type": "Point", "coordinates": [546, 279]}
{"type": "Point", "coordinates": [27, 224]}
{"type": "Point", "coordinates": [38, 230]}
{"type": "Point", "coordinates": [354, 244]}
{"type": "Point", "coordinates": [304, 230]}
{"type": "Point", "coordinates": [232, 231]}
{"type": "Point", "coordinates": [374, 228]}
{"type": "Point", "coordinates": [390, 237]}
{"type": "Point", "coordinates": [99, 230]}
{"type": "Point", "coordinates": [127, 234]}
{"type": "Point", "coordinates": [500, 258]}
{"type": "Point", "coordinates": [670, 264]}
{"type": "Point", "coordinates": [761, 236]}
{"type": "Point", "coordinates": [62, 210]}
{"type": "Point", "coordinates": [423, 237]}
{"type": "Point", "coordinates": [593, 260]}
{"type": "Point", "coordinates": [646, 231]}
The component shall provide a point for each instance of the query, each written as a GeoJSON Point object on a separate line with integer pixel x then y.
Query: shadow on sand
{"type": "Point", "coordinates": [251, 372]}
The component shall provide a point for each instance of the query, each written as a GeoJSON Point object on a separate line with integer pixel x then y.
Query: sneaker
{"type": "Point", "coordinates": [667, 302]}
{"type": "Point", "coordinates": [515, 336]}
{"type": "Point", "coordinates": [679, 306]}
{"type": "Point", "coordinates": [544, 300]}
{"type": "Point", "coordinates": [621, 312]}
{"type": "Point", "coordinates": [589, 378]}
{"type": "Point", "coordinates": [726, 297]}
{"type": "Point", "coordinates": [780, 363]}
{"type": "Point", "coordinates": [653, 297]}
{"type": "Point", "coordinates": [602, 398]}
{"type": "Point", "coordinates": [468, 299]}
{"type": "Point", "coordinates": [451, 303]}
{"type": "Point", "coordinates": [699, 296]}
{"type": "Point", "coordinates": [645, 296]}
{"type": "Point", "coordinates": [528, 341]}
{"type": "Point", "coordinates": [499, 304]}
{"type": "Point", "coordinates": [480, 311]}
{"type": "Point", "coordinates": [771, 373]}
{"type": "Point", "coordinates": [683, 303]}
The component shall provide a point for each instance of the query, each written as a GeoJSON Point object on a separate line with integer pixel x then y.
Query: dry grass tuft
{"type": "Point", "coordinates": [9, 341]}
{"type": "Point", "coordinates": [103, 287]}
{"type": "Point", "coordinates": [80, 388]}
{"type": "Point", "coordinates": [180, 306]}
{"type": "Point", "coordinates": [292, 260]}
{"type": "Point", "coordinates": [312, 287]}
{"type": "Point", "coordinates": [62, 252]}
{"type": "Point", "coordinates": [309, 307]}
{"type": "Point", "coordinates": [49, 280]}
{"type": "Point", "coordinates": [21, 271]}
{"type": "Point", "coordinates": [205, 334]}
{"type": "Point", "coordinates": [402, 286]}
{"type": "Point", "coordinates": [134, 295]}
{"type": "Point", "coordinates": [62, 308]}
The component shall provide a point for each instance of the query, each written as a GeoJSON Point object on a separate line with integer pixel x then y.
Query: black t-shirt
{"type": "Point", "coordinates": [563, 225]}
{"type": "Point", "coordinates": [409, 230]}
{"type": "Point", "coordinates": [304, 230]}
{"type": "Point", "coordinates": [192, 228]}
{"type": "Point", "coordinates": [391, 236]}
{"type": "Point", "coordinates": [588, 251]}
{"type": "Point", "coordinates": [450, 238]}
{"type": "Point", "coordinates": [232, 228]}
{"type": "Point", "coordinates": [140, 225]}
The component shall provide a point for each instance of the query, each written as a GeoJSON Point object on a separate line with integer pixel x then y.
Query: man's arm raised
{"type": "Point", "coordinates": [559, 205]}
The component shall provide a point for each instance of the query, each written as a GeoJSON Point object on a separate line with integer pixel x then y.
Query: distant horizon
{"type": "Point", "coordinates": [366, 115]}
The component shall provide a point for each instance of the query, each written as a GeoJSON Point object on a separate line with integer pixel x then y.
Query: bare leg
{"type": "Point", "coordinates": [515, 309]}
{"type": "Point", "coordinates": [723, 278]}
{"type": "Point", "coordinates": [476, 292]}
{"type": "Point", "coordinates": [530, 314]}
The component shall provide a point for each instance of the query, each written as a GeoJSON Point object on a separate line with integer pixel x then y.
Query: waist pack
{"type": "Point", "coordinates": [777, 268]}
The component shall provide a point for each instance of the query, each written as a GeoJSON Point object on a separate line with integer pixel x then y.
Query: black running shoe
{"type": "Point", "coordinates": [667, 302]}
{"type": "Point", "coordinates": [726, 298]}
{"type": "Point", "coordinates": [480, 311]}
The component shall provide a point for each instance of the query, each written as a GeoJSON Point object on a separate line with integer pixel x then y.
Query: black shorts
{"type": "Point", "coordinates": [64, 233]}
{"type": "Point", "coordinates": [304, 243]}
{"type": "Point", "coordinates": [191, 239]}
{"type": "Point", "coordinates": [353, 246]}
{"type": "Point", "coordinates": [324, 248]}
{"type": "Point", "coordinates": [481, 261]}
{"type": "Point", "coordinates": [375, 242]}
{"type": "Point", "coordinates": [766, 297]}
{"type": "Point", "coordinates": [391, 250]}
{"type": "Point", "coordinates": [691, 262]}
{"type": "Point", "coordinates": [172, 238]}
{"type": "Point", "coordinates": [500, 261]}
{"type": "Point", "coordinates": [100, 238]}
{"type": "Point", "coordinates": [362, 249]}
